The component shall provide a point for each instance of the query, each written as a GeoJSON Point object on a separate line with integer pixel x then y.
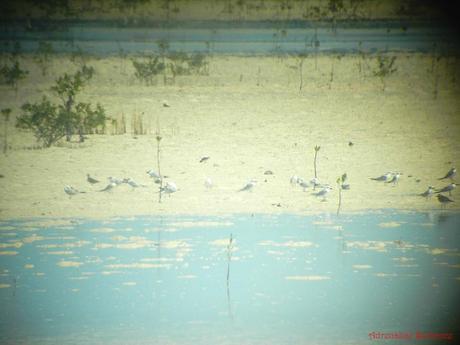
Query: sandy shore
{"type": "Point", "coordinates": [248, 116]}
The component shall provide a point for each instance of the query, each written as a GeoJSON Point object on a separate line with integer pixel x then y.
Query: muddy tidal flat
{"type": "Point", "coordinates": [249, 115]}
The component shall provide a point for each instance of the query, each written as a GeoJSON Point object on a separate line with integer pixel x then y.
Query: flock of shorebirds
{"type": "Point", "coordinates": [323, 189]}
{"type": "Point", "coordinates": [393, 177]}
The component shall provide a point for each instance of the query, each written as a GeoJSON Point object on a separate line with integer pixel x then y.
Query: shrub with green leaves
{"type": "Point", "coordinates": [187, 64]}
{"type": "Point", "coordinates": [10, 75]}
{"type": "Point", "coordinates": [147, 70]}
{"type": "Point", "coordinates": [51, 122]}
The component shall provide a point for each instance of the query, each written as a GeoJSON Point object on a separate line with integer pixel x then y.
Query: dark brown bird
{"type": "Point", "coordinates": [444, 200]}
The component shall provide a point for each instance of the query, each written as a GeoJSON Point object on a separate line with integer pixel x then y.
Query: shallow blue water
{"type": "Point", "coordinates": [292, 279]}
{"type": "Point", "coordinates": [102, 38]}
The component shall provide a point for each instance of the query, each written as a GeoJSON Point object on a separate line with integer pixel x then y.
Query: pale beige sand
{"type": "Point", "coordinates": [248, 116]}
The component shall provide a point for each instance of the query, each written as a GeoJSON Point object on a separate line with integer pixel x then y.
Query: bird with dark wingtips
{"type": "Point", "coordinates": [249, 186]}
{"type": "Point", "coordinates": [91, 180]}
{"type": "Point", "coordinates": [428, 193]}
{"type": "Point", "coordinates": [386, 177]}
{"type": "Point", "coordinates": [449, 188]}
{"type": "Point", "coordinates": [444, 200]}
{"type": "Point", "coordinates": [450, 174]}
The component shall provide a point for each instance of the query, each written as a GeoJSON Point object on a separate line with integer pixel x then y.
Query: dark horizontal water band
{"type": "Point", "coordinates": [265, 37]}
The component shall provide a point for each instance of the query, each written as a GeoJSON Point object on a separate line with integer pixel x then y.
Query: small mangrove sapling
{"type": "Point", "coordinates": [385, 68]}
{"type": "Point", "coordinates": [158, 139]}
{"type": "Point", "coordinates": [317, 148]}
{"type": "Point", "coordinates": [6, 118]}
{"type": "Point", "coordinates": [340, 185]}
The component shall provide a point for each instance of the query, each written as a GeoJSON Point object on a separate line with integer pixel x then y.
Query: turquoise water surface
{"type": "Point", "coordinates": [291, 279]}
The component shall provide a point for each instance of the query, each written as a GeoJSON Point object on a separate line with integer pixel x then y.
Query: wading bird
{"type": "Point", "coordinates": [249, 186]}
{"type": "Point", "coordinates": [450, 174]}
{"type": "Point", "coordinates": [449, 188]}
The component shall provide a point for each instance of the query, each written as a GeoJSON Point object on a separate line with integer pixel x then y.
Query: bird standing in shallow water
{"type": "Point", "coordinates": [444, 200]}
{"type": "Point", "coordinates": [450, 174]}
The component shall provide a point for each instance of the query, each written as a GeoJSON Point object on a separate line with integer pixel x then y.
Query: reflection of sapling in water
{"type": "Point", "coordinates": [229, 259]}
{"type": "Point", "coordinates": [229, 256]}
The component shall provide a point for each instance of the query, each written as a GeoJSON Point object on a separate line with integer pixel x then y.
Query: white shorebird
{"type": "Point", "coordinates": [133, 183]}
{"type": "Point", "coordinates": [91, 180]}
{"type": "Point", "coordinates": [208, 183]}
{"type": "Point", "coordinates": [169, 188]}
{"type": "Point", "coordinates": [249, 186]}
{"type": "Point", "coordinates": [153, 174]}
{"type": "Point", "coordinates": [428, 193]}
{"type": "Point", "coordinates": [109, 187]}
{"type": "Point", "coordinates": [302, 183]}
{"type": "Point", "coordinates": [450, 174]}
{"type": "Point", "coordinates": [294, 180]}
{"type": "Point", "coordinates": [323, 192]}
{"type": "Point", "coordinates": [386, 177]}
{"type": "Point", "coordinates": [115, 180]}
{"type": "Point", "coordinates": [315, 182]}
{"type": "Point", "coordinates": [395, 178]}
{"type": "Point", "coordinates": [449, 188]}
{"type": "Point", "coordinates": [69, 190]}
